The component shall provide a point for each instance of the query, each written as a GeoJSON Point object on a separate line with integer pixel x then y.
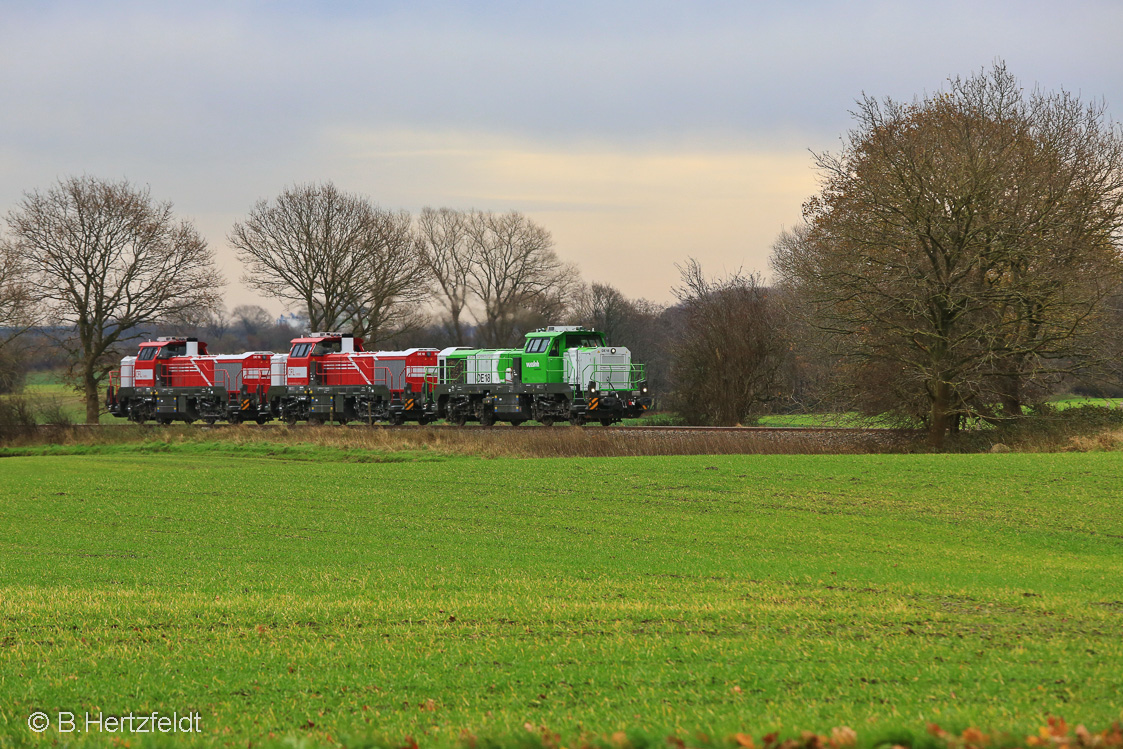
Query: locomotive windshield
{"type": "Point", "coordinates": [583, 340]}
{"type": "Point", "coordinates": [172, 349]}
{"type": "Point", "coordinates": [327, 347]}
{"type": "Point", "coordinates": [537, 345]}
{"type": "Point", "coordinates": [149, 353]}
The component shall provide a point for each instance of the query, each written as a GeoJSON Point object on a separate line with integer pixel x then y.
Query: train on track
{"type": "Point", "coordinates": [562, 373]}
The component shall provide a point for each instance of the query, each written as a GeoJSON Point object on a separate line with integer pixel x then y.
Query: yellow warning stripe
{"type": "Point", "coordinates": [409, 404]}
{"type": "Point", "coordinates": [246, 404]}
{"type": "Point", "coordinates": [593, 403]}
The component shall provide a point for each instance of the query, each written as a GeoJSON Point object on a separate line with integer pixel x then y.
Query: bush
{"type": "Point", "coordinates": [1046, 429]}
{"type": "Point", "coordinates": [13, 373]}
{"type": "Point", "coordinates": [17, 412]}
{"type": "Point", "coordinates": [53, 413]}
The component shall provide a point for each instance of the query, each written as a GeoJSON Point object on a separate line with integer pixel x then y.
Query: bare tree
{"type": "Point", "coordinates": [18, 300]}
{"type": "Point", "coordinates": [727, 362]}
{"type": "Point", "coordinates": [514, 273]}
{"type": "Point", "coordinates": [346, 262]}
{"type": "Point", "coordinates": [392, 280]}
{"type": "Point", "coordinates": [962, 246]}
{"type": "Point", "coordinates": [110, 261]}
{"type": "Point", "coordinates": [603, 307]}
{"type": "Point", "coordinates": [442, 239]}
{"type": "Point", "coordinates": [304, 247]}
{"type": "Point", "coordinates": [19, 312]}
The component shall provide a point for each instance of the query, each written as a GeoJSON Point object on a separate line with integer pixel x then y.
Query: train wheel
{"type": "Point", "coordinates": [459, 420]}
{"type": "Point", "coordinates": [291, 419]}
{"type": "Point", "coordinates": [577, 421]}
{"type": "Point", "coordinates": [261, 419]}
{"type": "Point", "coordinates": [546, 421]}
{"type": "Point", "coordinates": [209, 421]}
{"type": "Point", "coordinates": [397, 420]}
{"type": "Point", "coordinates": [315, 420]}
{"type": "Point", "coordinates": [515, 423]}
{"type": "Point", "coordinates": [606, 422]}
{"type": "Point", "coordinates": [163, 420]}
{"type": "Point", "coordinates": [487, 419]}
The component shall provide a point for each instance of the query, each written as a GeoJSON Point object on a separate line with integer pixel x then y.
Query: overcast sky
{"type": "Point", "coordinates": [640, 134]}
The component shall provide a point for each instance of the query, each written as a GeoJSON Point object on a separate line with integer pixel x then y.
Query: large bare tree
{"type": "Point", "coordinates": [19, 312]}
{"type": "Point", "coordinates": [442, 239]}
{"type": "Point", "coordinates": [962, 245]}
{"type": "Point", "coordinates": [111, 262]}
{"type": "Point", "coordinates": [303, 248]}
{"type": "Point", "coordinates": [391, 282]}
{"type": "Point", "coordinates": [514, 274]}
{"type": "Point", "coordinates": [19, 301]}
{"type": "Point", "coordinates": [344, 261]}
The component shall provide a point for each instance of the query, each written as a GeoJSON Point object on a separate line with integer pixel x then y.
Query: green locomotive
{"type": "Point", "coordinates": [561, 373]}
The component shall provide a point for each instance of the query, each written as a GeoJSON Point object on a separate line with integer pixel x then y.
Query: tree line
{"type": "Point", "coordinates": [961, 260]}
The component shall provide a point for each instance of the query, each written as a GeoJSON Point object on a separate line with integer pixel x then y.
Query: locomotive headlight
{"type": "Point", "coordinates": [593, 386]}
{"type": "Point", "coordinates": [613, 351]}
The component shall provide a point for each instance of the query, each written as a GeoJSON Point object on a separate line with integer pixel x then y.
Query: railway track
{"type": "Point", "coordinates": [500, 427]}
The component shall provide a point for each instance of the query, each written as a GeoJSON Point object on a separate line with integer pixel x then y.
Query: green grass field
{"type": "Point", "coordinates": [328, 601]}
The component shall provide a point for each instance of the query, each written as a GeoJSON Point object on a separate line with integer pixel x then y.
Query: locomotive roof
{"type": "Point", "coordinates": [556, 330]}
{"type": "Point", "coordinates": [317, 337]}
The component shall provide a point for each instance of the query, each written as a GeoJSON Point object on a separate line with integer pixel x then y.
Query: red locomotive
{"type": "Point", "coordinates": [324, 377]}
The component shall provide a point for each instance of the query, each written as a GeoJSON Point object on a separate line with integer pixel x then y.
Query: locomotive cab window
{"type": "Point", "coordinates": [172, 349]}
{"type": "Point", "coordinates": [300, 350]}
{"type": "Point", "coordinates": [148, 354]}
{"type": "Point", "coordinates": [588, 340]}
{"type": "Point", "coordinates": [537, 345]}
{"type": "Point", "coordinates": [327, 347]}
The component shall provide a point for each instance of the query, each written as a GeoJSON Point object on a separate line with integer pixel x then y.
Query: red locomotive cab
{"type": "Point", "coordinates": [174, 362]}
{"type": "Point", "coordinates": [327, 359]}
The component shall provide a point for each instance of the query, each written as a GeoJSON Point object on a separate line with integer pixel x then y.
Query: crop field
{"type": "Point", "coordinates": [295, 597]}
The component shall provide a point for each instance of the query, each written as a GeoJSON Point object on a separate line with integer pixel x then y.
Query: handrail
{"type": "Point", "coordinates": [342, 365]}
{"type": "Point", "coordinates": [171, 369]}
{"type": "Point", "coordinates": [427, 372]}
{"type": "Point", "coordinates": [633, 375]}
{"type": "Point", "coordinates": [386, 380]}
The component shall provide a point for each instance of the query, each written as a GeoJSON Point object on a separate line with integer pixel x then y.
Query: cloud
{"type": "Point", "coordinates": [625, 127]}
